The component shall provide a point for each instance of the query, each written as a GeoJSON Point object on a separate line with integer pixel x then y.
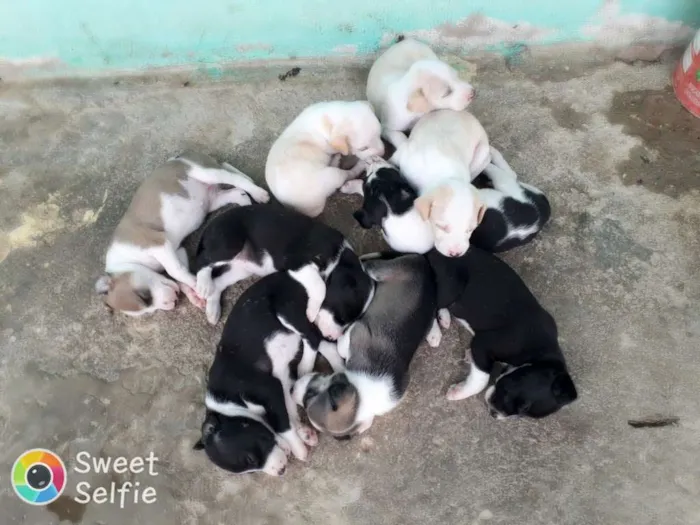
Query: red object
{"type": "Point", "coordinates": [686, 77]}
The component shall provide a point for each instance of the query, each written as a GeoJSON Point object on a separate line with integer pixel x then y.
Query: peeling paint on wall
{"type": "Point", "coordinates": [137, 35]}
{"type": "Point", "coordinates": [613, 27]}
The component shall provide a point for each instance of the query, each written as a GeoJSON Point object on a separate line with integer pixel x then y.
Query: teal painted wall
{"type": "Point", "coordinates": [137, 34]}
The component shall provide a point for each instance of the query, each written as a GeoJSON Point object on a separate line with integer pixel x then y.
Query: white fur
{"type": "Point", "coordinates": [181, 215]}
{"type": "Point", "coordinates": [298, 169]}
{"type": "Point", "coordinates": [465, 325]}
{"type": "Point", "coordinates": [444, 318]}
{"type": "Point", "coordinates": [434, 335]}
{"type": "Point", "coordinates": [240, 268]}
{"type": "Point", "coordinates": [444, 152]}
{"type": "Point", "coordinates": [405, 68]}
{"type": "Point", "coordinates": [310, 278]}
{"type": "Point", "coordinates": [475, 382]}
{"type": "Point", "coordinates": [376, 394]}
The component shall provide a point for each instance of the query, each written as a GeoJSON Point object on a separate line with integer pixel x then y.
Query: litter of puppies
{"type": "Point", "coordinates": [445, 199]}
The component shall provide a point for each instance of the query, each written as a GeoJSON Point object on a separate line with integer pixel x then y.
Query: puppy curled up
{"type": "Point", "coordinates": [168, 206]}
{"type": "Point", "coordinates": [378, 349]}
{"type": "Point", "coordinates": [302, 168]}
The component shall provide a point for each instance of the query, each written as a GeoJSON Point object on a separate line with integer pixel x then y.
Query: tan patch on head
{"type": "Point", "coordinates": [417, 103]}
{"type": "Point", "coordinates": [338, 138]}
{"type": "Point", "coordinates": [122, 295]}
{"type": "Point", "coordinates": [336, 415]}
{"type": "Point", "coordinates": [433, 202]}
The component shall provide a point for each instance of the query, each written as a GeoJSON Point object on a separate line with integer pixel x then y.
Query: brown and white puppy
{"type": "Point", "coordinates": [408, 80]}
{"type": "Point", "coordinates": [445, 151]}
{"type": "Point", "coordinates": [378, 348]}
{"type": "Point", "coordinates": [302, 167]}
{"type": "Point", "coordinates": [169, 205]}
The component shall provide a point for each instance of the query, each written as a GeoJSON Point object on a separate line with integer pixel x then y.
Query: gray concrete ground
{"type": "Point", "coordinates": [617, 266]}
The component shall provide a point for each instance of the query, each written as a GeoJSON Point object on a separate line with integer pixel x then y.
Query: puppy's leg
{"type": "Point", "coordinates": [231, 176]}
{"type": "Point", "coordinates": [234, 196]}
{"type": "Point", "coordinates": [168, 258]}
{"type": "Point", "coordinates": [305, 435]}
{"type": "Point", "coordinates": [444, 318]}
{"type": "Point", "coordinates": [479, 372]}
{"type": "Point", "coordinates": [358, 169]}
{"type": "Point", "coordinates": [434, 335]}
{"type": "Point", "coordinates": [480, 159]}
{"type": "Point", "coordinates": [343, 346]}
{"type": "Point", "coordinates": [399, 141]}
{"type": "Point", "coordinates": [498, 160]}
{"type": "Point", "coordinates": [330, 352]}
{"type": "Point", "coordinates": [364, 427]}
{"type": "Point", "coordinates": [308, 359]}
{"type": "Point", "coordinates": [354, 186]}
{"type": "Point", "coordinates": [189, 292]}
{"type": "Point", "coordinates": [310, 278]}
{"type": "Point", "coordinates": [280, 417]}
{"type": "Point", "coordinates": [212, 280]}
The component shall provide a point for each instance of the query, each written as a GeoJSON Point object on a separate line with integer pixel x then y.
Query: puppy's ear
{"type": "Point", "coordinates": [199, 445]}
{"type": "Point", "coordinates": [564, 390]}
{"type": "Point", "coordinates": [104, 284]}
{"type": "Point", "coordinates": [363, 218]}
{"type": "Point", "coordinates": [417, 103]}
{"type": "Point", "coordinates": [340, 144]}
{"type": "Point", "coordinates": [424, 204]}
{"type": "Point", "coordinates": [208, 428]}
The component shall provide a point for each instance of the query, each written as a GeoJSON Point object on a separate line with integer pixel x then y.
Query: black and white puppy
{"type": "Point", "coordinates": [378, 349]}
{"type": "Point", "coordinates": [510, 326]}
{"type": "Point", "coordinates": [262, 239]}
{"type": "Point", "coordinates": [251, 421]}
{"type": "Point", "coordinates": [515, 211]}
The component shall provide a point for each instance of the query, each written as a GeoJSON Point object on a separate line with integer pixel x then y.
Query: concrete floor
{"type": "Point", "coordinates": [617, 266]}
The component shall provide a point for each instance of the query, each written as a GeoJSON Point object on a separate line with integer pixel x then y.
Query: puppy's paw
{"type": "Point", "coordinates": [284, 446]}
{"type": "Point", "coordinates": [444, 318]}
{"type": "Point", "coordinates": [329, 328]}
{"type": "Point", "coordinates": [259, 195]}
{"type": "Point", "coordinates": [213, 310]}
{"type": "Point", "coordinates": [192, 296]}
{"type": "Point", "coordinates": [167, 305]}
{"type": "Point", "coordinates": [171, 284]}
{"type": "Point", "coordinates": [457, 392]}
{"type": "Point", "coordinates": [308, 435]}
{"type": "Point", "coordinates": [352, 187]}
{"type": "Point", "coordinates": [433, 338]}
{"type": "Point", "coordinates": [205, 284]}
{"type": "Point", "coordinates": [313, 307]}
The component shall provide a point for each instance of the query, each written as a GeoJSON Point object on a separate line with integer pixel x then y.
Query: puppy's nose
{"type": "Point", "coordinates": [282, 470]}
{"type": "Point", "coordinates": [493, 413]}
{"type": "Point", "coordinates": [455, 253]}
{"type": "Point", "coordinates": [471, 95]}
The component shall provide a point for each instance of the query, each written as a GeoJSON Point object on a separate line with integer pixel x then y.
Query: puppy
{"type": "Point", "coordinates": [445, 151]}
{"type": "Point", "coordinates": [167, 207]}
{"type": "Point", "coordinates": [510, 326]}
{"type": "Point", "coordinates": [378, 349]}
{"type": "Point", "coordinates": [515, 211]}
{"type": "Point", "coordinates": [251, 421]}
{"type": "Point", "coordinates": [388, 203]}
{"type": "Point", "coordinates": [408, 80]}
{"type": "Point", "coordinates": [302, 167]}
{"type": "Point", "coordinates": [266, 238]}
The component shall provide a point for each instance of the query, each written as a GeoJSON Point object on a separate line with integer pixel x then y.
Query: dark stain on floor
{"type": "Point", "coordinates": [566, 116]}
{"type": "Point", "coordinates": [669, 160]}
{"type": "Point", "coordinates": [67, 509]}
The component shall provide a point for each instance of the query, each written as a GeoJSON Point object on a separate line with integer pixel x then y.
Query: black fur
{"type": "Point", "coordinates": [242, 371]}
{"type": "Point", "coordinates": [510, 326]}
{"type": "Point", "coordinates": [388, 191]}
{"type": "Point", "coordinates": [290, 238]}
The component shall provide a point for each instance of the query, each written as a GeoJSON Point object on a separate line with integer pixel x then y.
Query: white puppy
{"type": "Point", "coordinates": [444, 152]}
{"type": "Point", "coordinates": [302, 167]}
{"type": "Point", "coordinates": [169, 205]}
{"type": "Point", "coordinates": [408, 80]}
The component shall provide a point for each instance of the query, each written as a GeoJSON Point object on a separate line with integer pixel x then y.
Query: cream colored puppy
{"type": "Point", "coordinates": [302, 168]}
{"type": "Point", "coordinates": [408, 80]}
{"type": "Point", "coordinates": [445, 151]}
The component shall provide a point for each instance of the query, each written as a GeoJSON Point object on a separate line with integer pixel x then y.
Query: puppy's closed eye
{"type": "Point", "coordinates": [448, 92]}
{"type": "Point", "coordinates": [145, 296]}
{"type": "Point", "coordinates": [444, 227]}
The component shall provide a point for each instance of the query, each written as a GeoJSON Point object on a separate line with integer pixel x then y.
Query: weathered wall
{"type": "Point", "coordinates": [135, 34]}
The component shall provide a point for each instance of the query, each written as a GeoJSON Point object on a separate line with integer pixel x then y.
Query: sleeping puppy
{"type": "Point", "coordinates": [378, 349]}
{"type": "Point", "coordinates": [445, 151]}
{"type": "Point", "coordinates": [302, 167]}
{"type": "Point", "coordinates": [388, 203]}
{"type": "Point", "coordinates": [251, 420]}
{"type": "Point", "coordinates": [510, 326]}
{"type": "Point", "coordinates": [266, 238]}
{"type": "Point", "coordinates": [169, 205]}
{"type": "Point", "coordinates": [515, 211]}
{"type": "Point", "coordinates": [408, 80]}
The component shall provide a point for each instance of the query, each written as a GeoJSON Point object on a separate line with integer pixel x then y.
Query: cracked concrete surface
{"type": "Point", "coordinates": [617, 266]}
